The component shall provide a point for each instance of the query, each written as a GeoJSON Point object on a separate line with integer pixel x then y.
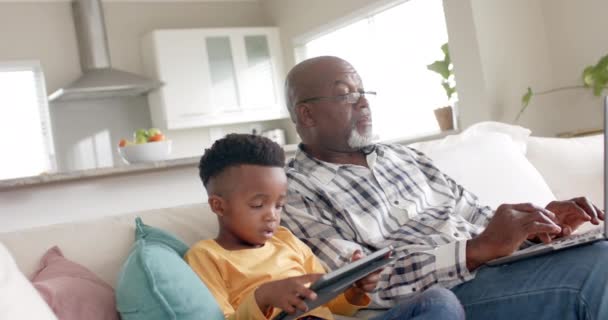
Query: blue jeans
{"type": "Point", "coordinates": [433, 304]}
{"type": "Point", "coordinates": [570, 284]}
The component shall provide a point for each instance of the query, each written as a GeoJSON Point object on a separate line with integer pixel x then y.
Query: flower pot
{"type": "Point", "coordinates": [445, 118]}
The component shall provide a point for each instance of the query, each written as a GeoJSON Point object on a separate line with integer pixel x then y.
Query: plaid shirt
{"type": "Point", "coordinates": [402, 200]}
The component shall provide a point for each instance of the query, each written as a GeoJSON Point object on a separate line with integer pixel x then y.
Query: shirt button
{"type": "Point", "coordinates": [396, 202]}
{"type": "Point", "coordinates": [456, 234]}
{"type": "Point", "coordinates": [451, 274]}
{"type": "Point", "coordinates": [423, 219]}
{"type": "Point", "coordinates": [413, 289]}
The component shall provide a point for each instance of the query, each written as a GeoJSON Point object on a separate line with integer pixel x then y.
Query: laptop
{"type": "Point", "coordinates": [596, 234]}
{"type": "Point", "coordinates": [334, 283]}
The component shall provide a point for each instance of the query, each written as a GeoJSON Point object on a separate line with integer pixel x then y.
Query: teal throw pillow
{"type": "Point", "coordinates": [156, 283]}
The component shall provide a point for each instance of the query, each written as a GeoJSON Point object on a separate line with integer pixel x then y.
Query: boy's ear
{"type": "Point", "coordinates": [217, 204]}
{"type": "Point", "coordinates": [304, 113]}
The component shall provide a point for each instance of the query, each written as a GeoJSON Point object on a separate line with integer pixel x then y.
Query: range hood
{"type": "Point", "coordinates": [99, 79]}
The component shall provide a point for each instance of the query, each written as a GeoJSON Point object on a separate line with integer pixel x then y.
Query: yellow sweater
{"type": "Point", "coordinates": [232, 276]}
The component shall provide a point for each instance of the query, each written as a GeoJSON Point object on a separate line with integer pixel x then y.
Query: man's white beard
{"type": "Point", "coordinates": [358, 141]}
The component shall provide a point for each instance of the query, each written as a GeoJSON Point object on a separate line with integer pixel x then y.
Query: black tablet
{"type": "Point", "coordinates": [334, 283]}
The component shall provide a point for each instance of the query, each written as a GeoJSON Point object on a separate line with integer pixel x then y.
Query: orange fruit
{"type": "Point", "coordinates": [157, 137]}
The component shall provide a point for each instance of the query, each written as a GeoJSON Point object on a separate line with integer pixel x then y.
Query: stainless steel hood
{"type": "Point", "coordinates": [99, 79]}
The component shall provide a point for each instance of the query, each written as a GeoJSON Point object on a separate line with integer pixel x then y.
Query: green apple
{"type": "Point", "coordinates": [140, 139]}
{"type": "Point", "coordinates": [141, 133]}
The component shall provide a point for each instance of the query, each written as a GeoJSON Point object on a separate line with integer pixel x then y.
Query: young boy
{"type": "Point", "coordinates": [255, 268]}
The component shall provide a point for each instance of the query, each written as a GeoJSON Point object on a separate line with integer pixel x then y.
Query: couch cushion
{"type": "Point", "coordinates": [112, 238]}
{"type": "Point", "coordinates": [490, 165]}
{"type": "Point", "coordinates": [18, 298]}
{"type": "Point", "coordinates": [519, 136]}
{"type": "Point", "coordinates": [73, 291]}
{"type": "Point", "coordinates": [572, 167]}
{"type": "Point", "coordinates": [156, 283]}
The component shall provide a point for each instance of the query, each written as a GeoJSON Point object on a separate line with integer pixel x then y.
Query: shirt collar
{"type": "Point", "coordinates": [326, 171]}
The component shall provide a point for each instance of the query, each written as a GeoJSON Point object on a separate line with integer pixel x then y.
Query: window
{"type": "Point", "coordinates": [25, 132]}
{"type": "Point", "coordinates": [391, 49]}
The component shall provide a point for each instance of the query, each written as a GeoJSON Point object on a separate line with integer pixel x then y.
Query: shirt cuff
{"type": "Point", "coordinates": [451, 263]}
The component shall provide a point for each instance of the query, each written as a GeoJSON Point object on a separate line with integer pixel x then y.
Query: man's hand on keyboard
{"type": "Point", "coordinates": [572, 213]}
{"type": "Point", "coordinates": [510, 226]}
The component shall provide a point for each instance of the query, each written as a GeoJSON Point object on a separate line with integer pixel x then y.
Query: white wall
{"type": "Point", "coordinates": [544, 44]}
{"type": "Point", "coordinates": [514, 53]}
{"type": "Point", "coordinates": [576, 32]}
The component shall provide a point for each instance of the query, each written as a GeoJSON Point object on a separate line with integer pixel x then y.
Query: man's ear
{"type": "Point", "coordinates": [217, 204]}
{"type": "Point", "coordinates": [304, 113]}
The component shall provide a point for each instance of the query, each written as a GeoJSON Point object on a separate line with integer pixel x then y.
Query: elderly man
{"type": "Point", "coordinates": [347, 193]}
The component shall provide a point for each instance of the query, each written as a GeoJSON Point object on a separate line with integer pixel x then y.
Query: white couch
{"type": "Point", "coordinates": [494, 168]}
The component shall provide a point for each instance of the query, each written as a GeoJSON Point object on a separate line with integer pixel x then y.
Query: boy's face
{"type": "Point", "coordinates": [249, 208]}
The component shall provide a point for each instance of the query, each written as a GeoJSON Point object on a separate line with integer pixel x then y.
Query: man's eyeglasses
{"type": "Point", "coordinates": [350, 98]}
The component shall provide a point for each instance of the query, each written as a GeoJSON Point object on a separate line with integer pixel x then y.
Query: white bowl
{"type": "Point", "coordinates": [146, 152]}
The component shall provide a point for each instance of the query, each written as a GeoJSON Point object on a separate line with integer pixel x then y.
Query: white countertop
{"type": "Point", "coordinates": [109, 171]}
{"type": "Point", "coordinates": [153, 166]}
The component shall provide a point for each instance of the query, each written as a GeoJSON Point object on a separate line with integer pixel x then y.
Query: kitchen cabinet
{"type": "Point", "coordinates": [214, 76]}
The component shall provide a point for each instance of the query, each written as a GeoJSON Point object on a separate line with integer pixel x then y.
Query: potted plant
{"type": "Point", "coordinates": [445, 115]}
{"type": "Point", "coordinates": [594, 77]}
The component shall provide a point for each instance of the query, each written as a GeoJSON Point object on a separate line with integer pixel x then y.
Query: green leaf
{"type": "Point", "coordinates": [446, 53]}
{"type": "Point", "coordinates": [599, 85]}
{"type": "Point", "coordinates": [603, 63]}
{"type": "Point", "coordinates": [445, 49]}
{"type": "Point", "coordinates": [525, 101]}
{"type": "Point", "coordinates": [440, 67]}
{"type": "Point", "coordinates": [588, 76]}
{"type": "Point", "coordinates": [449, 90]}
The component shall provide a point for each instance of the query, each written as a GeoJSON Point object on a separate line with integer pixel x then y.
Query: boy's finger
{"type": "Point", "coordinates": [356, 255]}
{"type": "Point", "coordinates": [296, 303]}
{"type": "Point", "coordinates": [306, 294]}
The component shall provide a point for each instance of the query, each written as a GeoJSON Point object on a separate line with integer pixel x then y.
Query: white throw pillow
{"type": "Point", "coordinates": [18, 298]}
{"type": "Point", "coordinates": [519, 136]}
{"type": "Point", "coordinates": [491, 165]}
{"type": "Point", "coordinates": [572, 167]}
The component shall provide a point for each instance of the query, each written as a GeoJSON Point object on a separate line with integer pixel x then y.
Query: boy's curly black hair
{"type": "Point", "coordinates": [237, 149]}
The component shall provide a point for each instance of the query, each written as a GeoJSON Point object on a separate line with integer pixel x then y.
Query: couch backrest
{"type": "Point", "coordinates": [572, 167]}
{"type": "Point", "coordinates": [102, 245]}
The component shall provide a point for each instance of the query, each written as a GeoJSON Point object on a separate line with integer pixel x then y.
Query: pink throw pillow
{"type": "Point", "coordinates": [73, 291]}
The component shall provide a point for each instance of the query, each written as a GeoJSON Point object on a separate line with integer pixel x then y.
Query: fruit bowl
{"type": "Point", "coordinates": [146, 152]}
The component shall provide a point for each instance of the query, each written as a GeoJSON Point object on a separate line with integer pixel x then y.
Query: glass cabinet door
{"type": "Point", "coordinates": [258, 90]}
{"type": "Point", "coordinates": [224, 90]}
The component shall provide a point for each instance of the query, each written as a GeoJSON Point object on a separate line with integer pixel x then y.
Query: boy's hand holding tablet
{"type": "Point", "coordinates": [355, 280]}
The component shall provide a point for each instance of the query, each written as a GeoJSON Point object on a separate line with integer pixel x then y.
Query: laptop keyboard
{"type": "Point", "coordinates": [580, 237]}
{"type": "Point", "coordinates": [564, 241]}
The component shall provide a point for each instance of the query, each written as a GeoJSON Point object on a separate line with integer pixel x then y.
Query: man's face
{"type": "Point", "coordinates": [341, 124]}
